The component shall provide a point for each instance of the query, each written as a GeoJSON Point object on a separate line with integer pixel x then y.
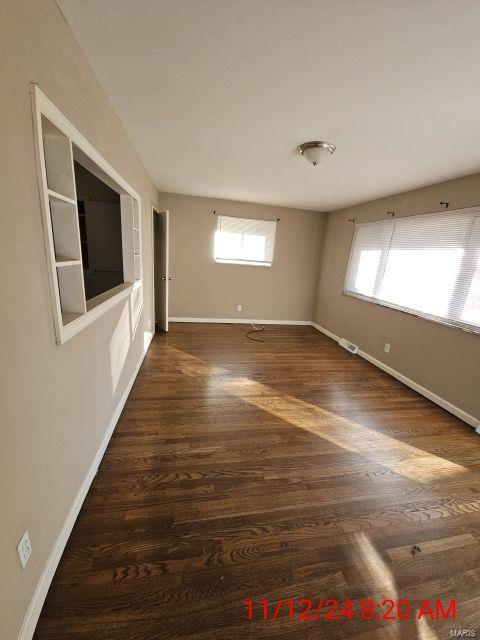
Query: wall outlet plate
{"type": "Point", "coordinates": [386, 348]}
{"type": "Point", "coordinates": [239, 307]}
{"type": "Point", "coordinates": [24, 549]}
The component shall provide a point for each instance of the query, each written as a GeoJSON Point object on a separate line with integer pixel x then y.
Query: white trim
{"type": "Point", "coordinates": [240, 321]}
{"type": "Point", "coordinates": [445, 404]}
{"type": "Point", "coordinates": [41, 590]}
{"type": "Point", "coordinates": [152, 253]}
{"type": "Point", "coordinates": [162, 322]}
{"type": "Point", "coordinates": [129, 198]}
{"type": "Point", "coordinates": [48, 109]}
{"type": "Point", "coordinates": [325, 331]}
{"type": "Point", "coordinates": [74, 327]}
{"type": "Point", "coordinates": [430, 395]}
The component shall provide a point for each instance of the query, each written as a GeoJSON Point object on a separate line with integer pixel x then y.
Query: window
{"type": "Point", "coordinates": [428, 265]}
{"type": "Point", "coordinates": [244, 241]}
{"type": "Point", "coordinates": [92, 226]}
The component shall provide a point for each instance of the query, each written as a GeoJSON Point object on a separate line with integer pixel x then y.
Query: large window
{"type": "Point", "coordinates": [428, 265]}
{"type": "Point", "coordinates": [244, 241]}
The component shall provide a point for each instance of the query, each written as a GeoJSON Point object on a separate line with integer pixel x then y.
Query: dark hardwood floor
{"type": "Point", "coordinates": [277, 470]}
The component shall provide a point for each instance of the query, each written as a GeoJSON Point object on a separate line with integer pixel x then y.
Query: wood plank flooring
{"type": "Point", "coordinates": [277, 470]}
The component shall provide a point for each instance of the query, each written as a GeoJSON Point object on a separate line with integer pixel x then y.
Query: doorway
{"type": "Point", "coordinates": [161, 275]}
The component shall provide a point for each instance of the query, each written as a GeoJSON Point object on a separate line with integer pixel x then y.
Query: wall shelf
{"type": "Point", "coordinates": [65, 230]}
{"type": "Point", "coordinates": [57, 149]}
{"type": "Point", "coordinates": [62, 223]}
{"type": "Point", "coordinates": [104, 298]}
{"type": "Point", "coordinates": [59, 143]}
{"type": "Point", "coordinates": [66, 262]}
{"type": "Point", "coordinates": [58, 196]}
{"type": "Point", "coordinates": [71, 289]}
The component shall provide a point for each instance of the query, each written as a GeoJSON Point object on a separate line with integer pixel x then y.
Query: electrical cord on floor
{"type": "Point", "coordinates": [253, 331]}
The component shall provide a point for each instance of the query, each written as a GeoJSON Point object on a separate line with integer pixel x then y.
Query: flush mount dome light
{"type": "Point", "coordinates": [316, 151]}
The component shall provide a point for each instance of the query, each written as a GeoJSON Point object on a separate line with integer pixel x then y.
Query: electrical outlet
{"type": "Point", "coordinates": [239, 307]}
{"type": "Point", "coordinates": [24, 549]}
{"type": "Point", "coordinates": [386, 348]}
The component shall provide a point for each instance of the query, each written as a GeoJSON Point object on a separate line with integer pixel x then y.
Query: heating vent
{"type": "Point", "coordinates": [349, 346]}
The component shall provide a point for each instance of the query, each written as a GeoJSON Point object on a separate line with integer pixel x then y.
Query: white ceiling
{"type": "Point", "coordinates": [216, 94]}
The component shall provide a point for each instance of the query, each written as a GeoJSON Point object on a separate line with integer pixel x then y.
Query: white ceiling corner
{"type": "Point", "coordinates": [216, 95]}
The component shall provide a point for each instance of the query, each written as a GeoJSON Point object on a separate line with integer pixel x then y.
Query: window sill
{"type": "Point", "coordinates": [412, 312]}
{"type": "Point", "coordinates": [246, 263]}
{"type": "Point", "coordinates": [96, 307]}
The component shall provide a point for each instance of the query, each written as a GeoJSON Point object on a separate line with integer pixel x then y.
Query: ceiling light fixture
{"type": "Point", "coordinates": [316, 151]}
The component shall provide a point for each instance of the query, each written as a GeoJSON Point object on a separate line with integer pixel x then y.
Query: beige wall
{"type": "Point", "coordinates": [201, 288]}
{"type": "Point", "coordinates": [56, 401]}
{"type": "Point", "coordinates": [443, 359]}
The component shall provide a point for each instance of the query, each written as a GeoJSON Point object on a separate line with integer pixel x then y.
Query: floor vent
{"type": "Point", "coordinates": [349, 346]}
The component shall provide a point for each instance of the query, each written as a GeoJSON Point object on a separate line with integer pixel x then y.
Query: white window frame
{"type": "Point", "coordinates": [433, 318]}
{"type": "Point", "coordinates": [64, 272]}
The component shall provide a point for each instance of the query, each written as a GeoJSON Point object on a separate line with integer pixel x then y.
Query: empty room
{"type": "Point", "coordinates": [240, 274]}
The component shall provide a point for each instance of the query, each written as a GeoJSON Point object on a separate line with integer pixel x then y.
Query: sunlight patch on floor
{"type": "Point", "coordinates": [373, 565]}
{"type": "Point", "coordinates": [375, 570]}
{"type": "Point", "coordinates": [405, 459]}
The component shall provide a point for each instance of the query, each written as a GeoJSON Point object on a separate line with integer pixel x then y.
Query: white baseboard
{"type": "Point", "coordinates": [36, 604]}
{"type": "Point", "coordinates": [241, 321]}
{"type": "Point", "coordinates": [445, 404]}
{"type": "Point", "coordinates": [325, 331]}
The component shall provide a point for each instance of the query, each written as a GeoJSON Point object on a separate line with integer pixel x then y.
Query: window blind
{"type": "Point", "coordinates": [244, 240]}
{"type": "Point", "coordinates": [428, 265]}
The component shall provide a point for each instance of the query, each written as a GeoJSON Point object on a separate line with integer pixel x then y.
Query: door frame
{"type": "Point", "coordinates": [156, 211]}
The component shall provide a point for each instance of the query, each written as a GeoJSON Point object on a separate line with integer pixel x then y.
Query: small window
{"type": "Point", "coordinates": [428, 265]}
{"type": "Point", "coordinates": [244, 241]}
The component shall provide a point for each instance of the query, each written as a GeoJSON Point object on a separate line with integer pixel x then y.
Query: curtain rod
{"type": "Point", "coordinates": [444, 203]}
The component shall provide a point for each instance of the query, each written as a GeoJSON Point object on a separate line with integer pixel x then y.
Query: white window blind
{"type": "Point", "coordinates": [244, 241]}
{"type": "Point", "coordinates": [428, 265]}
